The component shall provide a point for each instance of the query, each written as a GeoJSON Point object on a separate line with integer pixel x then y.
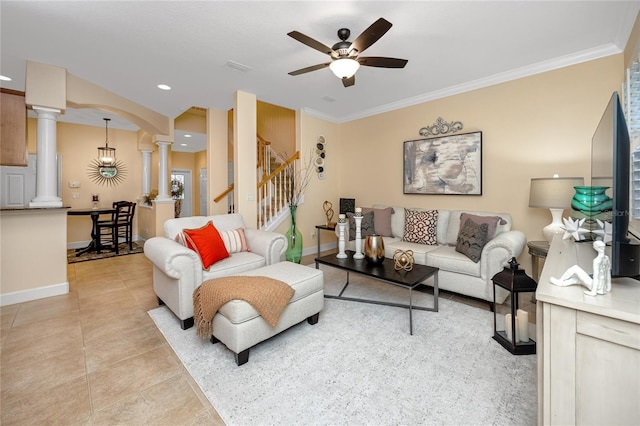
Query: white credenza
{"type": "Point", "coordinates": [588, 346]}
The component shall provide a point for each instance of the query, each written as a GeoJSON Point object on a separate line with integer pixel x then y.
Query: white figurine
{"type": "Point", "coordinates": [601, 281]}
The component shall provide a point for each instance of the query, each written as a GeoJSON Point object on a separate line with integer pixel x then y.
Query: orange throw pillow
{"type": "Point", "coordinates": [206, 241]}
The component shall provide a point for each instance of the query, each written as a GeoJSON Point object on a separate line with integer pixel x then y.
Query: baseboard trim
{"type": "Point", "coordinates": [34, 294]}
{"type": "Point", "coordinates": [314, 250]}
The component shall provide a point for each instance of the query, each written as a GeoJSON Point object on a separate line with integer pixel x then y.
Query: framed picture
{"type": "Point", "coordinates": [447, 165]}
{"type": "Point", "coordinates": [347, 205]}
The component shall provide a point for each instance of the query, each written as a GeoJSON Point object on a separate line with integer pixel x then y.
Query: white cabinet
{"type": "Point", "coordinates": [588, 346]}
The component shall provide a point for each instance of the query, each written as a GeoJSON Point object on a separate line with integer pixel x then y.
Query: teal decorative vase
{"type": "Point", "coordinates": [294, 239]}
{"type": "Point", "coordinates": [591, 200]}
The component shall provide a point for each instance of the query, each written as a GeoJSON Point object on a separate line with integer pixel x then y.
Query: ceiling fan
{"type": "Point", "coordinates": [344, 54]}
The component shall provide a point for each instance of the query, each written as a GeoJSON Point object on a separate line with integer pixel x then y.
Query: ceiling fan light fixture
{"type": "Point", "coordinates": [344, 68]}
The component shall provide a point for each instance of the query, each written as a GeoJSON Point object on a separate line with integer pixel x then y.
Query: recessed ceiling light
{"type": "Point", "coordinates": [5, 78]}
{"type": "Point", "coordinates": [187, 136]}
{"type": "Point", "coordinates": [164, 87]}
{"type": "Point", "coordinates": [183, 144]}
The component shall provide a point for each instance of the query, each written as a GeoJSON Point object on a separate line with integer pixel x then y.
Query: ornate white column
{"type": "Point", "coordinates": [46, 165]}
{"type": "Point", "coordinates": [358, 218]}
{"type": "Point", "coordinates": [342, 224]}
{"type": "Point", "coordinates": [163, 172]}
{"type": "Point", "coordinates": [146, 172]}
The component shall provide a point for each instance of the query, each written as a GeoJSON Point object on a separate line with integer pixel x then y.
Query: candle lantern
{"type": "Point", "coordinates": [515, 336]}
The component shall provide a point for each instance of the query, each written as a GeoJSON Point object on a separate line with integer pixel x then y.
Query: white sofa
{"type": "Point", "coordinates": [458, 273]}
{"type": "Point", "coordinates": [177, 270]}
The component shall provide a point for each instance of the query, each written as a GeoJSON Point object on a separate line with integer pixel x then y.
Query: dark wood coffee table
{"type": "Point", "coordinates": [384, 272]}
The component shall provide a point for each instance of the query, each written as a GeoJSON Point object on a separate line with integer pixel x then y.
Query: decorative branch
{"type": "Point", "coordinates": [300, 178]}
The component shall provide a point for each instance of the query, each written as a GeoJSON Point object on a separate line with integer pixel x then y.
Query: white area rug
{"type": "Point", "coordinates": [360, 366]}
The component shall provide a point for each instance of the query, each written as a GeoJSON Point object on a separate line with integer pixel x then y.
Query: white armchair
{"type": "Point", "coordinates": [177, 270]}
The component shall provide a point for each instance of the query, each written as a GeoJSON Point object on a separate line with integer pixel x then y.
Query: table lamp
{"type": "Point", "coordinates": [554, 193]}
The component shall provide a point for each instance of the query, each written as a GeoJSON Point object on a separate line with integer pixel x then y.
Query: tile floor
{"type": "Point", "coordinates": [95, 357]}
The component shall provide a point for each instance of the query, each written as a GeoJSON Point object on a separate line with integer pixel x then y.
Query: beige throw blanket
{"type": "Point", "coordinates": [268, 296]}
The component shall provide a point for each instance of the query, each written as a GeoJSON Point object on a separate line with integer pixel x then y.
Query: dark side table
{"type": "Point", "coordinates": [323, 228]}
{"type": "Point", "coordinates": [538, 250]}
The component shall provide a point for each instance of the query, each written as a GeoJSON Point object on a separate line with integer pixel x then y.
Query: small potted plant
{"type": "Point", "coordinates": [177, 193]}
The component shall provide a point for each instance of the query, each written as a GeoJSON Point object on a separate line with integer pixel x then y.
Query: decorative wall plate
{"type": "Point", "coordinates": [320, 156]}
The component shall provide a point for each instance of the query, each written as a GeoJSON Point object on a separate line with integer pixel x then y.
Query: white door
{"type": "Point", "coordinates": [203, 192]}
{"type": "Point", "coordinates": [184, 176]}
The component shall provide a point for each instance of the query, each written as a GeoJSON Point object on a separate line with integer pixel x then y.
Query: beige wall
{"type": "Point", "coordinates": [33, 255]}
{"type": "Point", "coordinates": [531, 127]}
{"type": "Point", "coordinates": [192, 120]}
{"type": "Point", "coordinates": [277, 125]}
{"type": "Point", "coordinates": [199, 162]}
{"type": "Point", "coordinates": [193, 162]}
{"type": "Point", "coordinates": [78, 145]}
{"type": "Point", "coordinates": [182, 160]}
{"type": "Point", "coordinates": [311, 212]}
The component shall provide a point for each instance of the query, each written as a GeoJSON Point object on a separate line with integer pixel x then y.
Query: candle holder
{"type": "Point", "coordinates": [516, 281]}
{"type": "Point", "coordinates": [342, 224]}
{"type": "Point", "coordinates": [357, 216]}
{"type": "Point", "coordinates": [95, 199]}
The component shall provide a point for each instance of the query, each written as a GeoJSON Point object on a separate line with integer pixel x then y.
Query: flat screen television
{"type": "Point", "coordinates": [610, 167]}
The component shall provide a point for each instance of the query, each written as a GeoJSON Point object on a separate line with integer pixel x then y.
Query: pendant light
{"type": "Point", "coordinates": [106, 155]}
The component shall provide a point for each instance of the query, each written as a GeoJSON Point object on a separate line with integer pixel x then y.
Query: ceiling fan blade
{"type": "Point", "coordinates": [309, 69]}
{"type": "Point", "coordinates": [349, 81]}
{"type": "Point", "coordinates": [371, 35]}
{"type": "Point", "coordinates": [382, 62]}
{"type": "Point", "coordinates": [315, 44]}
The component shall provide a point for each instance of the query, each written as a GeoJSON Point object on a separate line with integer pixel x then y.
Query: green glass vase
{"type": "Point", "coordinates": [591, 200]}
{"type": "Point", "coordinates": [294, 239]}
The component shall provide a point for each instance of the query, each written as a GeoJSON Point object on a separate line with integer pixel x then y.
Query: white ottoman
{"type": "Point", "coordinates": [239, 326]}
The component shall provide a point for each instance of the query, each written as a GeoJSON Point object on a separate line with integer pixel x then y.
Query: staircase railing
{"type": "Point", "coordinates": [274, 191]}
{"type": "Point", "coordinates": [223, 194]}
{"type": "Point", "coordinates": [264, 156]}
{"type": "Point", "coordinates": [273, 187]}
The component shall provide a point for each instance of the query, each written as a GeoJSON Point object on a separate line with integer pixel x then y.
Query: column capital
{"type": "Point", "coordinates": [157, 139]}
{"type": "Point", "coordinates": [43, 111]}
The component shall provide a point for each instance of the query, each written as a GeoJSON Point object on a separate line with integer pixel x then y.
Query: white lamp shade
{"type": "Point", "coordinates": [344, 68]}
{"type": "Point", "coordinates": [553, 193]}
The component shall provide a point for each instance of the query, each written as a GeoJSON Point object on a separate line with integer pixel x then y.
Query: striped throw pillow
{"type": "Point", "coordinates": [234, 240]}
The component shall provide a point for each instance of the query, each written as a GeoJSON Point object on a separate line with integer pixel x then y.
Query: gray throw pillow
{"type": "Point", "coordinates": [472, 239]}
{"type": "Point", "coordinates": [492, 221]}
{"type": "Point", "coordinates": [366, 227]}
{"type": "Point", "coordinates": [381, 220]}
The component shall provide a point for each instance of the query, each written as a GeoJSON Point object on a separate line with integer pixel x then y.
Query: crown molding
{"type": "Point", "coordinates": [320, 115]}
{"type": "Point", "coordinates": [538, 68]}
